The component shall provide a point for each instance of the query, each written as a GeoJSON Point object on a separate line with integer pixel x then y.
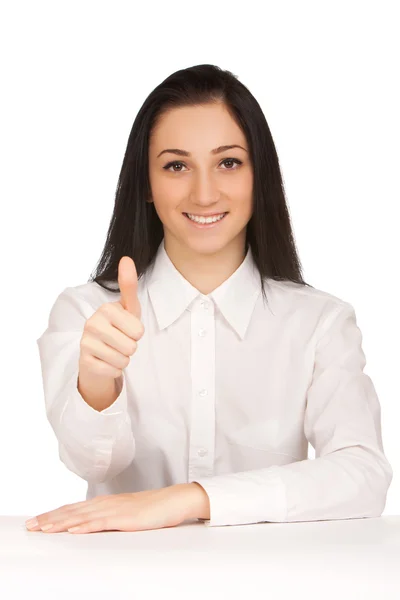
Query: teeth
{"type": "Point", "coordinates": [206, 220]}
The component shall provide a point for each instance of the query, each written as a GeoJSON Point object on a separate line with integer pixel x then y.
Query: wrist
{"type": "Point", "coordinates": [198, 502]}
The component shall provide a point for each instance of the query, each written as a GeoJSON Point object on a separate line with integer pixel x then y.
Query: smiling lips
{"type": "Point", "coordinates": [206, 215]}
{"type": "Point", "coordinates": [202, 222]}
{"type": "Point", "coordinates": [205, 219]}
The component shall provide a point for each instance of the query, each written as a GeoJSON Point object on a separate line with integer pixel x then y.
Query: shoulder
{"type": "Point", "coordinates": [92, 293]}
{"type": "Point", "coordinates": [95, 294]}
{"type": "Point", "coordinates": [298, 291]}
{"type": "Point", "coordinates": [310, 302]}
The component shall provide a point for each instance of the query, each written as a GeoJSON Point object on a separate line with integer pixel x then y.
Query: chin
{"type": "Point", "coordinates": [210, 246]}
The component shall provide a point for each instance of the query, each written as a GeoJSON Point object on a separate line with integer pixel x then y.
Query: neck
{"type": "Point", "coordinates": [206, 271]}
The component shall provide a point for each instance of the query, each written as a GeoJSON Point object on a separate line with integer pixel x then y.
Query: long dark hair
{"type": "Point", "coordinates": [135, 229]}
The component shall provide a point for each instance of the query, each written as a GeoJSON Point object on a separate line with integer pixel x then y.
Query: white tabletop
{"type": "Point", "coordinates": [346, 559]}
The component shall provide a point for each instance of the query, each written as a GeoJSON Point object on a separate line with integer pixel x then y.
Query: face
{"type": "Point", "coordinates": [197, 180]}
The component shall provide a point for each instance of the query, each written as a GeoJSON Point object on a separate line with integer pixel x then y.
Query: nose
{"type": "Point", "coordinates": [204, 191]}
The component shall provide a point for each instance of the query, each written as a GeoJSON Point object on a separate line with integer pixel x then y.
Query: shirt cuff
{"type": "Point", "coordinates": [79, 417]}
{"type": "Point", "coordinates": [244, 498]}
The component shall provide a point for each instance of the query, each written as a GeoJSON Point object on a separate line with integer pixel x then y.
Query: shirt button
{"type": "Point", "coordinates": [202, 332]}
{"type": "Point", "coordinates": [202, 452]}
{"type": "Point", "coordinates": [204, 304]}
{"type": "Point", "coordinates": [203, 392]}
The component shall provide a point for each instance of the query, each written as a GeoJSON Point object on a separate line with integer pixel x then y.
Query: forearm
{"type": "Point", "coordinates": [93, 445]}
{"type": "Point", "coordinates": [197, 501]}
{"type": "Point", "coordinates": [98, 392]}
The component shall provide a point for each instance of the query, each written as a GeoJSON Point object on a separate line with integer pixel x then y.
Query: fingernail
{"type": "Point", "coordinates": [47, 527]}
{"type": "Point", "coordinates": [32, 522]}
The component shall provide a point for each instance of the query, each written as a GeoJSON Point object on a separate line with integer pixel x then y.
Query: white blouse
{"type": "Point", "coordinates": [227, 391]}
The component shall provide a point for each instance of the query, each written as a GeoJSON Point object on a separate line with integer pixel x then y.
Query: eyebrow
{"type": "Point", "coordinates": [215, 151]}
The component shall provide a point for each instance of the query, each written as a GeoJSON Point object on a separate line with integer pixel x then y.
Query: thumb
{"type": "Point", "coordinates": [128, 284]}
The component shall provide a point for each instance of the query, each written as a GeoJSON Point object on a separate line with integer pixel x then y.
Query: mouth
{"type": "Point", "coordinates": [204, 225]}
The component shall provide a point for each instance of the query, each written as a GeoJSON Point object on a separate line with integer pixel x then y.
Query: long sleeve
{"type": "Point", "coordinates": [350, 475]}
{"type": "Point", "coordinates": [94, 445]}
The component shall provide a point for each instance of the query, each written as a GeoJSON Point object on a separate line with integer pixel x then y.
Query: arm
{"type": "Point", "coordinates": [93, 444]}
{"type": "Point", "coordinates": [98, 392]}
{"type": "Point", "coordinates": [350, 475]}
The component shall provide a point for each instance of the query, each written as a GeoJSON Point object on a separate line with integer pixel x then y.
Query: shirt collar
{"type": "Point", "coordinates": [171, 294]}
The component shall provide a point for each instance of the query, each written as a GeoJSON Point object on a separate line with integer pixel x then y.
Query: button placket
{"type": "Point", "coordinates": [202, 431]}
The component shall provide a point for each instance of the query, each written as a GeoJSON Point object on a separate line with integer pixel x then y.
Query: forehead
{"type": "Point", "coordinates": [200, 127]}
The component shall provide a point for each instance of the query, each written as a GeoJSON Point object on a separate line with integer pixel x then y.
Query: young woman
{"type": "Point", "coordinates": [186, 378]}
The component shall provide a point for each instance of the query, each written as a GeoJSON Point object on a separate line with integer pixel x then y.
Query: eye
{"type": "Point", "coordinates": [226, 160]}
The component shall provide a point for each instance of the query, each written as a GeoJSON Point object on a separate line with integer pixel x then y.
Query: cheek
{"type": "Point", "coordinates": [164, 194]}
{"type": "Point", "coordinates": [167, 207]}
{"type": "Point", "coordinates": [242, 194]}
{"type": "Point", "coordinates": [166, 191]}
{"type": "Point", "coordinates": [241, 186]}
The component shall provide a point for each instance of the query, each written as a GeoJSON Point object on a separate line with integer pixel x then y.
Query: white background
{"type": "Point", "coordinates": [74, 76]}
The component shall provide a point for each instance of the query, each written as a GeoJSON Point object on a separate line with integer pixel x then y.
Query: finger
{"type": "Point", "coordinates": [76, 519]}
{"type": "Point", "coordinates": [101, 524]}
{"type": "Point", "coordinates": [78, 510]}
{"type": "Point", "coordinates": [62, 510]}
{"type": "Point", "coordinates": [128, 285]}
{"type": "Point", "coordinates": [59, 515]}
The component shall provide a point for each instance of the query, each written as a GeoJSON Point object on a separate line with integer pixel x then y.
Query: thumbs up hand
{"type": "Point", "coordinates": [128, 284]}
{"type": "Point", "coordinates": [111, 334]}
